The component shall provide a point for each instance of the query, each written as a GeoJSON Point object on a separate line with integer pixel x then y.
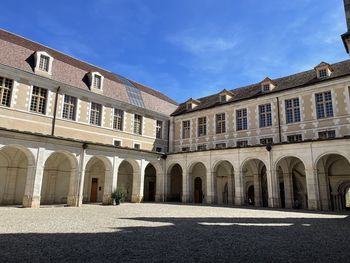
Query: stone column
{"type": "Point", "coordinates": [272, 189]}
{"type": "Point", "coordinates": [239, 189]}
{"type": "Point", "coordinates": [51, 187]}
{"type": "Point", "coordinates": [138, 183]}
{"type": "Point", "coordinates": [230, 189]}
{"type": "Point", "coordinates": [160, 184]}
{"type": "Point", "coordinates": [209, 196]}
{"type": "Point", "coordinates": [257, 190]}
{"type": "Point", "coordinates": [34, 180]}
{"type": "Point", "coordinates": [312, 189]}
{"type": "Point", "coordinates": [288, 190]}
{"type": "Point", "coordinates": [76, 183]}
{"type": "Point", "coordinates": [110, 184]}
{"type": "Point", "coordinates": [185, 186]}
{"type": "Point", "coordinates": [324, 191]}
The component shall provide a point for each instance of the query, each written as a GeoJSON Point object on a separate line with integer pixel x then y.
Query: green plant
{"type": "Point", "coordinates": [119, 195]}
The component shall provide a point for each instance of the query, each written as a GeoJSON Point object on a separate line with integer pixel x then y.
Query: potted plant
{"type": "Point", "coordinates": [118, 196]}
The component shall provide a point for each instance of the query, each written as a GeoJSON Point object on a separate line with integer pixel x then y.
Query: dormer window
{"type": "Point", "coordinates": [225, 95]}
{"type": "Point", "coordinates": [223, 98]}
{"type": "Point", "coordinates": [43, 63]}
{"type": "Point", "coordinates": [267, 85]}
{"type": "Point", "coordinates": [322, 73]}
{"type": "Point", "coordinates": [191, 104]}
{"type": "Point", "coordinates": [96, 81]}
{"type": "Point", "coordinates": [323, 70]}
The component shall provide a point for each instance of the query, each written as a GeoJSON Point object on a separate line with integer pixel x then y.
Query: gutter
{"type": "Point", "coordinates": [55, 112]}
{"type": "Point", "coordinates": [279, 120]}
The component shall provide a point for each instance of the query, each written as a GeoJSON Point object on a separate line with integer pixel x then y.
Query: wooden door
{"type": "Point", "coordinates": [151, 191]}
{"type": "Point", "coordinates": [198, 194]}
{"type": "Point", "coordinates": [93, 194]}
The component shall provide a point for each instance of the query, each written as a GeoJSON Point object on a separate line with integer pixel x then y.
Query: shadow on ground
{"type": "Point", "coordinates": [192, 240]}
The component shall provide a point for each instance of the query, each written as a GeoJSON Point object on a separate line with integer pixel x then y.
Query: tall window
{"type": "Point", "coordinates": [241, 119]}
{"type": "Point", "coordinates": [44, 63]}
{"type": "Point", "coordinates": [118, 119]}
{"type": "Point", "coordinates": [137, 124]}
{"type": "Point", "coordinates": [292, 110]}
{"type": "Point", "coordinates": [69, 107]}
{"type": "Point", "coordinates": [5, 91]}
{"type": "Point", "coordinates": [265, 115]}
{"type": "Point", "coordinates": [97, 82]}
{"type": "Point", "coordinates": [38, 103]}
{"type": "Point", "coordinates": [95, 114]}
{"type": "Point", "coordinates": [159, 130]}
{"type": "Point", "coordinates": [186, 129]}
{"type": "Point", "coordinates": [324, 105]}
{"type": "Point", "coordinates": [202, 126]}
{"type": "Point", "coordinates": [220, 123]}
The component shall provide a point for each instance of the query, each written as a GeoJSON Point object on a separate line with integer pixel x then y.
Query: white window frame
{"type": "Point", "coordinates": [37, 56]}
{"type": "Point", "coordinates": [92, 76]}
{"type": "Point", "coordinates": [76, 107]}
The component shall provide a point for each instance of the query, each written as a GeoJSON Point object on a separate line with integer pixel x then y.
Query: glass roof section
{"type": "Point", "coordinates": [134, 94]}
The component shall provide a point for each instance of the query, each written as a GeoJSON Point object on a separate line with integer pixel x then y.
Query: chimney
{"type": "Point", "coordinates": [346, 36]}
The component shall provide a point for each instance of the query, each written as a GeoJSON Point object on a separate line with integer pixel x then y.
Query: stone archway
{"type": "Point", "coordinates": [174, 183]}
{"type": "Point", "coordinates": [198, 174]}
{"type": "Point", "coordinates": [291, 177]}
{"type": "Point", "coordinates": [334, 181]}
{"type": "Point", "coordinates": [59, 172]}
{"type": "Point", "coordinates": [223, 183]}
{"type": "Point", "coordinates": [126, 179]}
{"type": "Point", "coordinates": [150, 183]}
{"type": "Point", "coordinates": [254, 173]}
{"type": "Point", "coordinates": [14, 163]}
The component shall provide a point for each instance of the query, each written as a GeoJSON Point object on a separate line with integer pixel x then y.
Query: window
{"type": "Point", "coordinates": [201, 147]}
{"type": "Point", "coordinates": [220, 123]}
{"type": "Point", "coordinates": [220, 145]}
{"type": "Point", "coordinates": [5, 91]}
{"type": "Point", "coordinates": [159, 149]}
{"type": "Point", "coordinates": [117, 143]}
{"type": "Point", "coordinates": [185, 149]}
{"type": "Point", "coordinates": [97, 82]}
{"type": "Point", "coordinates": [324, 105]}
{"type": "Point", "coordinates": [137, 146]}
{"type": "Point", "coordinates": [189, 106]}
{"type": "Point", "coordinates": [186, 129]}
{"type": "Point", "coordinates": [95, 114]}
{"type": "Point", "coordinates": [38, 102]}
{"type": "Point", "coordinates": [266, 87]}
{"type": "Point", "coordinates": [241, 118]}
{"type": "Point", "coordinates": [223, 98]}
{"type": "Point", "coordinates": [265, 141]}
{"type": "Point", "coordinates": [326, 134]}
{"type": "Point", "coordinates": [265, 115]}
{"type": "Point", "coordinates": [202, 126]}
{"type": "Point", "coordinates": [242, 143]}
{"type": "Point", "coordinates": [44, 63]}
{"type": "Point", "coordinates": [69, 107]}
{"type": "Point", "coordinates": [292, 110]}
{"type": "Point", "coordinates": [322, 73]}
{"type": "Point", "coordinates": [118, 118]}
{"type": "Point", "coordinates": [294, 138]}
{"type": "Point", "coordinates": [137, 124]}
{"type": "Point", "coordinates": [159, 130]}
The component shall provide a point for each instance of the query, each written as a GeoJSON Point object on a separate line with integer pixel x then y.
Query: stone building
{"type": "Point", "coordinates": [71, 132]}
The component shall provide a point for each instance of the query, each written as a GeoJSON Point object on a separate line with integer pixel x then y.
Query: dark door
{"type": "Point", "coordinates": [93, 194]}
{"type": "Point", "coordinates": [251, 195]}
{"type": "Point", "coordinates": [198, 193]}
{"type": "Point", "coordinates": [151, 191]}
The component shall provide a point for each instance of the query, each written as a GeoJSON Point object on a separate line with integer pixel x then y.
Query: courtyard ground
{"type": "Point", "coordinates": [171, 233]}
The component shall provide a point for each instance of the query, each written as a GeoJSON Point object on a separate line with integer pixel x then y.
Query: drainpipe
{"type": "Point", "coordinates": [279, 120]}
{"type": "Point", "coordinates": [55, 112]}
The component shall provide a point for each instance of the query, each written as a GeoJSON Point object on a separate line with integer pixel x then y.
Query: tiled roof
{"type": "Point", "coordinates": [28, 44]}
{"type": "Point", "coordinates": [298, 80]}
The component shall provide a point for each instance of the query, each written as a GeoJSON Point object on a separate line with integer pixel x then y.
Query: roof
{"type": "Point", "coordinates": [86, 67]}
{"type": "Point", "coordinates": [303, 79]}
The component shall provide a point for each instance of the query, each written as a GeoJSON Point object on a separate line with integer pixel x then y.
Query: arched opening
{"type": "Point", "coordinates": [175, 184]}
{"type": "Point", "coordinates": [13, 175]}
{"type": "Point", "coordinates": [334, 182]}
{"type": "Point", "coordinates": [197, 173]}
{"type": "Point", "coordinates": [347, 198]}
{"type": "Point", "coordinates": [292, 183]}
{"type": "Point", "coordinates": [58, 171]}
{"type": "Point", "coordinates": [126, 179]}
{"type": "Point", "coordinates": [223, 183]}
{"type": "Point", "coordinates": [95, 172]}
{"type": "Point", "coordinates": [149, 190]}
{"type": "Point", "coordinates": [254, 174]}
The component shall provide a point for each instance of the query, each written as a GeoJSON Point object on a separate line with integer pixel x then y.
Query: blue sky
{"type": "Point", "coordinates": [187, 48]}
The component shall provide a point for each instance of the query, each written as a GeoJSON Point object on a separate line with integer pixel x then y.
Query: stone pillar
{"type": "Point", "coordinates": [239, 189]}
{"type": "Point", "coordinates": [288, 190]}
{"type": "Point", "coordinates": [209, 197]}
{"type": "Point", "coordinates": [312, 189]}
{"type": "Point", "coordinates": [257, 190]}
{"type": "Point", "coordinates": [110, 184]}
{"type": "Point", "coordinates": [138, 183]}
{"type": "Point", "coordinates": [185, 186]}
{"type": "Point", "coordinates": [76, 183]}
{"type": "Point", "coordinates": [51, 187]}
{"type": "Point", "coordinates": [171, 134]}
{"type": "Point", "coordinates": [272, 189]}
{"type": "Point", "coordinates": [10, 187]}
{"type": "Point", "coordinates": [324, 191]}
{"type": "Point", "coordinates": [160, 184]}
{"type": "Point", "coordinates": [34, 180]}
{"type": "Point", "coordinates": [230, 189]}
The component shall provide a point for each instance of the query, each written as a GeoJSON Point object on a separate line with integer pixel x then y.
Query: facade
{"type": "Point", "coordinates": [71, 132]}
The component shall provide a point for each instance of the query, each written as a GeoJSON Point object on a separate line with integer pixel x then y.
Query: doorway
{"type": "Point", "coordinates": [198, 193]}
{"type": "Point", "coordinates": [94, 186]}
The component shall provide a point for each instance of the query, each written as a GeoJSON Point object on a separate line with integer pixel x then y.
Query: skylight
{"type": "Point", "coordinates": [134, 94]}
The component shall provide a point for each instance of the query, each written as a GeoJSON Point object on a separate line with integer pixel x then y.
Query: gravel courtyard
{"type": "Point", "coordinates": [170, 232]}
